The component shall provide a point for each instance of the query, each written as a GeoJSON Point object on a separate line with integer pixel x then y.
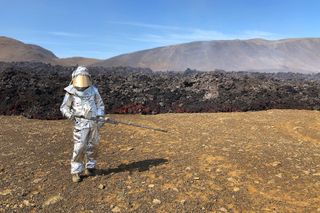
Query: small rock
{"type": "Point", "coordinates": [130, 148]}
{"type": "Point", "coordinates": [156, 201]}
{"type": "Point", "coordinates": [27, 203]}
{"type": "Point", "coordinates": [35, 192]}
{"type": "Point", "coordinates": [272, 181]}
{"type": "Point", "coordinates": [316, 174]}
{"type": "Point", "coordinates": [182, 202]}
{"type": "Point", "coordinates": [52, 200]}
{"type": "Point", "coordinates": [101, 186]}
{"type": "Point", "coordinates": [236, 189]}
{"type": "Point", "coordinates": [196, 178]}
{"type": "Point", "coordinates": [37, 180]}
{"type": "Point", "coordinates": [276, 163]}
{"type": "Point", "coordinates": [306, 172]}
{"type": "Point", "coordinates": [116, 209]}
{"type": "Point", "coordinates": [223, 209]}
{"type": "Point", "coordinates": [175, 189]}
{"type": "Point", "coordinates": [151, 185]}
{"type": "Point", "coordinates": [230, 179]}
{"type": "Point", "coordinates": [279, 175]}
{"type": "Point", "coordinates": [6, 192]}
{"type": "Point", "coordinates": [188, 168]}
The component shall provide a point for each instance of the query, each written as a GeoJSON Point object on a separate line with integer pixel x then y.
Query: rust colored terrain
{"type": "Point", "coordinates": [264, 161]}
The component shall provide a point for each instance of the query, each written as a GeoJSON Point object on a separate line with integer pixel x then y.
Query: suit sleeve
{"type": "Point", "coordinates": [65, 107]}
{"type": "Point", "coordinates": [99, 103]}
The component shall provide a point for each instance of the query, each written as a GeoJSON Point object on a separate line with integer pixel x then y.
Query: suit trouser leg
{"type": "Point", "coordinates": [80, 137]}
{"type": "Point", "coordinates": [90, 151]}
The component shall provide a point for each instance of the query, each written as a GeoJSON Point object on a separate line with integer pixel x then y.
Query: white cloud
{"type": "Point", "coordinates": [67, 34]}
{"type": "Point", "coordinates": [175, 37]}
{"type": "Point", "coordinates": [167, 35]}
{"type": "Point", "coordinates": [199, 35]}
{"type": "Point", "coordinates": [146, 25]}
{"type": "Point", "coordinates": [259, 34]}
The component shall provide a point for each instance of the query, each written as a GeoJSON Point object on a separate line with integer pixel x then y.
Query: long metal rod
{"type": "Point", "coordinates": [141, 126]}
{"type": "Point", "coordinates": [129, 123]}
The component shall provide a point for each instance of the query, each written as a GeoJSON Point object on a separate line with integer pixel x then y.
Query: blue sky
{"type": "Point", "coordinates": [106, 28]}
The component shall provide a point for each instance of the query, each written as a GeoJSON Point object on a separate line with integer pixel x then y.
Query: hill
{"type": "Point", "coordinates": [220, 162]}
{"type": "Point", "coordinates": [76, 61]}
{"type": "Point", "coordinates": [254, 55]}
{"type": "Point", "coordinates": [12, 50]}
{"type": "Point", "coordinates": [294, 55]}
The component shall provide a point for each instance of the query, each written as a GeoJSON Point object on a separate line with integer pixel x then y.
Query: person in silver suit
{"type": "Point", "coordinates": [82, 104]}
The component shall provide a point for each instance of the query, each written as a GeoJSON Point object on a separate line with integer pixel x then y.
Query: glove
{"type": "Point", "coordinates": [71, 117]}
{"type": "Point", "coordinates": [100, 121]}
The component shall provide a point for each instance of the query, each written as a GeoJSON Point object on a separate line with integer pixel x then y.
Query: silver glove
{"type": "Point", "coordinates": [101, 121]}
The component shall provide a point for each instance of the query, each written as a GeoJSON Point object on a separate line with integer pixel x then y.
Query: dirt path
{"type": "Point", "coordinates": [221, 162]}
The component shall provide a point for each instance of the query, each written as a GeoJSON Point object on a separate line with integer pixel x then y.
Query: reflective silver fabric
{"type": "Point", "coordinates": [80, 71]}
{"type": "Point", "coordinates": [88, 104]}
{"type": "Point", "coordinates": [83, 150]}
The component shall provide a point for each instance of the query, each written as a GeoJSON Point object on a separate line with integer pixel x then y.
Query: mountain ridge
{"type": "Point", "coordinates": [256, 55]}
{"type": "Point", "coordinates": [12, 50]}
{"type": "Point", "coordinates": [293, 54]}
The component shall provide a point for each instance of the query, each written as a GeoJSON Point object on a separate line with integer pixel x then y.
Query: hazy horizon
{"type": "Point", "coordinates": [103, 29]}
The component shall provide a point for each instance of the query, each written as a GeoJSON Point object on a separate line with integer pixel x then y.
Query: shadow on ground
{"type": "Point", "coordinates": [140, 166]}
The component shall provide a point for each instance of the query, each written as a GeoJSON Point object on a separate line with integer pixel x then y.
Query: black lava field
{"type": "Point", "coordinates": [35, 90]}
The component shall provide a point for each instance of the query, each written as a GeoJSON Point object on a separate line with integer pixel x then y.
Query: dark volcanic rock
{"type": "Point", "coordinates": [35, 90]}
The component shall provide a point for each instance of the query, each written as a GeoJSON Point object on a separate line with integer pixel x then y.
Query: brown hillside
{"type": "Point", "coordinates": [294, 55]}
{"type": "Point", "coordinates": [14, 50]}
{"type": "Point", "coordinates": [76, 61]}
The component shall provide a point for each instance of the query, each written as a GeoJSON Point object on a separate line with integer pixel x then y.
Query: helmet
{"type": "Point", "coordinates": [81, 79]}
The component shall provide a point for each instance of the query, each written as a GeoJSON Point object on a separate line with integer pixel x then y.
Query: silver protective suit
{"type": "Point", "coordinates": [83, 107]}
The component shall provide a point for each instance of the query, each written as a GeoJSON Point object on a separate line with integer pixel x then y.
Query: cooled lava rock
{"type": "Point", "coordinates": [35, 90]}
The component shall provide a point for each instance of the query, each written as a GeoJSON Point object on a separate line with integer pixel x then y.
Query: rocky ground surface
{"type": "Point", "coordinates": [267, 161]}
{"type": "Point", "coordinates": [35, 90]}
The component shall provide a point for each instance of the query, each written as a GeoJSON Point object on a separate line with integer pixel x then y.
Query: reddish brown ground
{"type": "Point", "coordinates": [222, 162]}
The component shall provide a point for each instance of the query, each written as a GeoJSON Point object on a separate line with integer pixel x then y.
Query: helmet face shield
{"type": "Point", "coordinates": [81, 81]}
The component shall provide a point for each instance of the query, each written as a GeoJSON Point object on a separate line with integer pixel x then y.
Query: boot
{"type": "Point", "coordinates": [90, 172]}
{"type": "Point", "coordinates": [76, 178]}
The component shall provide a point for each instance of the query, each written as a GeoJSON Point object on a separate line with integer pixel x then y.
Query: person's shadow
{"type": "Point", "coordinates": [140, 166]}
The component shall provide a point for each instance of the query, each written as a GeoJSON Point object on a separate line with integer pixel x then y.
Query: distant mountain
{"type": "Point", "coordinates": [14, 50]}
{"type": "Point", "coordinates": [286, 55]}
{"type": "Point", "coordinates": [77, 61]}
{"type": "Point", "coordinates": [294, 55]}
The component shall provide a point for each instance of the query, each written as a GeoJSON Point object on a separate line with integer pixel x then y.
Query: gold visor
{"type": "Point", "coordinates": [81, 81]}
